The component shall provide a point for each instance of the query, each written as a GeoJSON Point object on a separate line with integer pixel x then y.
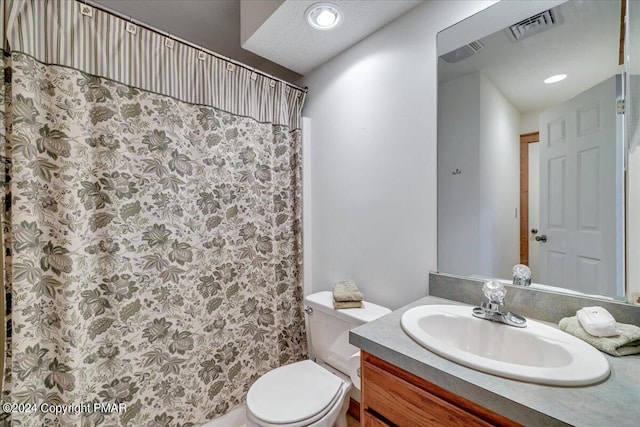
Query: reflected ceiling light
{"type": "Point", "coordinates": [323, 16]}
{"type": "Point", "coordinates": [555, 79]}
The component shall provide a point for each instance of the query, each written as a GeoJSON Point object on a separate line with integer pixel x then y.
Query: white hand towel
{"type": "Point", "coordinates": [625, 344]}
{"type": "Point", "coordinates": [346, 291]}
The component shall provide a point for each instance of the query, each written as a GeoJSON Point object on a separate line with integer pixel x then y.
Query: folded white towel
{"type": "Point", "coordinates": [625, 344]}
{"type": "Point", "coordinates": [598, 322]}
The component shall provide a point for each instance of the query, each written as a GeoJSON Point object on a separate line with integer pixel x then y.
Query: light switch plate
{"type": "Point", "coordinates": [636, 298]}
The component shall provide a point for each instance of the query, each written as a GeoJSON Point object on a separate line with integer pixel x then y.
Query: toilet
{"type": "Point", "coordinates": [314, 393]}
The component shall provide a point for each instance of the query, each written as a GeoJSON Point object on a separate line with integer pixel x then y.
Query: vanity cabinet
{"type": "Point", "coordinates": [394, 397]}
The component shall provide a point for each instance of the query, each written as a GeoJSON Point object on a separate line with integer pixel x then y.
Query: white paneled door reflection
{"type": "Point", "coordinates": [578, 191]}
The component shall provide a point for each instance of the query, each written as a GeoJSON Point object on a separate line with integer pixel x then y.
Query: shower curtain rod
{"type": "Point", "coordinates": [111, 11]}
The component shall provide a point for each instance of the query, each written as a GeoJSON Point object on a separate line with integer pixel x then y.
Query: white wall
{"type": "Point", "coordinates": [458, 204]}
{"type": "Point", "coordinates": [530, 121]}
{"type": "Point", "coordinates": [633, 167]}
{"type": "Point", "coordinates": [633, 227]}
{"type": "Point", "coordinates": [373, 156]}
{"type": "Point", "coordinates": [498, 183]}
{"type": "Point", "coordinates": [478, 133]}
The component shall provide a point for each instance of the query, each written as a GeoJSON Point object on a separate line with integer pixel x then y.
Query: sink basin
{"type": "Point", "coordinates": [538, 353]}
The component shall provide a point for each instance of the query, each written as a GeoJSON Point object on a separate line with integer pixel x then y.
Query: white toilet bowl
{"type": "Point", "coordinates": [303, 394]}
{"type": "Point", "coordinates": [310, 394]}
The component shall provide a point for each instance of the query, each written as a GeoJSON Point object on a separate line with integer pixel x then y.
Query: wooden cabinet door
{"type": "Point", "coordinates": [395, 397]}
{"type": "Point", "coordinates": [369, 420]}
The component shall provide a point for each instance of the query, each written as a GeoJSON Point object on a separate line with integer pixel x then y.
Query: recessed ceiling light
{"type": "Point", "coordinates": [323, 16]}
{"type": "Point", "coordinates": [555, 79]}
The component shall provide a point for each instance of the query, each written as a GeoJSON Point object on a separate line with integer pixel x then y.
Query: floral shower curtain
{"type": "Point", "coordinates": [151, 223]}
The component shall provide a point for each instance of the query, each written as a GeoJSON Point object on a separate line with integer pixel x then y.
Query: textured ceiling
{"type": "Point", "coordinates": [584, 46]}
{"type": "Point", "coordinates": [287, 39]}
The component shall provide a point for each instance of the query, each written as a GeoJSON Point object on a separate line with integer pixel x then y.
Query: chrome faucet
{"type": "Point", "coordinates": [521, 275]}
{"type": "Point", "coordinates": [491, 309]}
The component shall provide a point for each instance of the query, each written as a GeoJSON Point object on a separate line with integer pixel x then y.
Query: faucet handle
{"type": "Point", "coordinates": [494, 291]}
{"type": "Point", "coordinates": [521, 275]}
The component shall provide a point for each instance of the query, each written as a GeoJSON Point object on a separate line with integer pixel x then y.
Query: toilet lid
{"type": "Point", "coordinates": [293, 393]}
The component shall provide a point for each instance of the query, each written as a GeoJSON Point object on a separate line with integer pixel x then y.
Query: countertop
{"type": "Point", "coordinates": [615, 402]}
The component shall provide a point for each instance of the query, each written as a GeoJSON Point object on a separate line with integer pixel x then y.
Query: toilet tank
{"type": "Point", "coordinates": [329, 328]}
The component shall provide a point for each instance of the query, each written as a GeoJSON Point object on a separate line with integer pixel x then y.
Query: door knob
{"type": "Point", "coordinates": [541, 238]}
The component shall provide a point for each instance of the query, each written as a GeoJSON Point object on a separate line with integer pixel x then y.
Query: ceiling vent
{"type": "Point", "coordinates": [462, 52]}
{"type": "Point", "coordinates": [535, 24]}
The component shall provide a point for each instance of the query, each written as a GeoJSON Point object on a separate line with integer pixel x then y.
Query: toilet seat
{"type": "Point", "coordinates": [294, 395]}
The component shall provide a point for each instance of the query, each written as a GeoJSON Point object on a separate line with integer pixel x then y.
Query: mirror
{"type": "Point", "coordinates": [532, 172]}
